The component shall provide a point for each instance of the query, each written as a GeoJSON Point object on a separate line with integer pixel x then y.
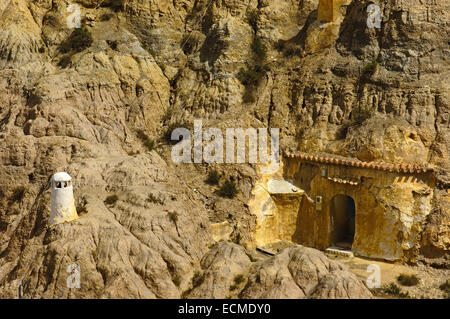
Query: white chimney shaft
{"type": "Point", "coordinates": [62, 201]}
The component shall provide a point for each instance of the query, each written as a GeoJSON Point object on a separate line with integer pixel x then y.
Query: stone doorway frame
{"type": "Point", "coordinates": [342, 242]}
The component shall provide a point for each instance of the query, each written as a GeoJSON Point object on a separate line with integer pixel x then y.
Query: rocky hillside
{"type": "Point", "coordinates": [99, 101]}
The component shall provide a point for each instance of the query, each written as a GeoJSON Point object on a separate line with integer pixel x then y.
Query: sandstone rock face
{"type": "Point", "coordinates": [94, 110]}
{"type": "Point", "coordinates": [297, 272]}
{"type": "Point", "coordinates": [144, 245]}
{"type": "Point", "coordinates": [302, 272]}
{"type": "Point", "coordinates": [219, 267]}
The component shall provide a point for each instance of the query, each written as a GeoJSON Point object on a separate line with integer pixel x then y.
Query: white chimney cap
{"type": "Point", "coordinates": [61, 177]}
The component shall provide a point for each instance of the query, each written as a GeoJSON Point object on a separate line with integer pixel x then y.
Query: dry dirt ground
{"type": "Point", "coordinates": [430, 279]}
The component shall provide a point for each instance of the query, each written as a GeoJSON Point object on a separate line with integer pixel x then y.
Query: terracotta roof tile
{"type": "Point", "coordinates": [409, 168]}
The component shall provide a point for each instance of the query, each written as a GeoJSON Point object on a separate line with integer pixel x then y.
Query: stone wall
{"type": "Point", "coordinates": [391, 208]}
{"type": "Point", "coordinates": [329, 10]}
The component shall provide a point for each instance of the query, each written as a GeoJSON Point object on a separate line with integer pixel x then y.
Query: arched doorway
{"type": "Point", "coordinates": [343, 221]}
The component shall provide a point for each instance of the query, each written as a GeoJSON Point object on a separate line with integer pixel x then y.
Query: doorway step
{"type": "Point", "coordinates": [339, 252]}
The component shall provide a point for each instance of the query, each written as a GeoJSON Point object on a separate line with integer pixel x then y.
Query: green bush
{"type": "Point", "coordinates": [65, 61]}
{"type": "Point", "coordinates": [197, 279]}
{"type": "Point", "coordinates": [173, 216]}
{"type": "Point", "coordinates": [280, 45]}
{"type": "Point", "coordinates": [149, 49]}
{"type": "Point", "coordinates": [117, 5]}
{"type": "Point", "coordinates": [78, 40]}
{"type": "Point", "coordinates": [81, 209]}
{"type": "Point", "coordinates": [370, 69]}
{"type": "Point", "coordinates": [252, 18]}
{"type": "Point", "coordinates": [228, 189]}
{"type": "Point", "coordinates": [259, 50]}
{"type": "Point", "coordinates": [106, 17]}
{"type": "Point", "coordinates": [252, 259]}
{"type": "Point", "coordinates": [18, 194]}
{"type": "Point", "coordinates": [189, 43]}
{"type": "Point", "coordinates": [167, 136]}
{"type": "Point", "coordinates": [238, 279]}
{"type": "Point", "coordinates": [251, 78]}
{"type": "Point", "coordinates": [395, 291]}
{"type": "Point", "coordinates": [237, 238]}
{"type": "Point", "coordinates": [445, 287]}
{"type": "Point", "coordinates": [361, 114]}
{"type": "Point", "coordinates": [111, 200]}
{"type": "Point", "coordinates": [408, 280]}
{"type": "Point", "coordinates": [213, 177]}
{"type": "Point", "coordinates": [292, 49]}
{"type": "Point", "coordinates": [148, 142]}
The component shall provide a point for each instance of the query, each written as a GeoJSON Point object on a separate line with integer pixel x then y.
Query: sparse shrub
{"type": "Point", "coordinates": [81, 209]}
{"type": "Point", "coordinates": [238, 279]}
{"type": "Point", "coordinates": [149, 49]}
{"type": "Point", "coordinates": [445, 287]}
{"type": "Point", "coordinates": [280, 45]}
{"type": "Point", "coordinates": [18, 194]}
{"type": "Point", "coordinates": [112, 44]}
{"type": "Point", "coordinates": [117, 5]}
{"type": "Point", "coordinates": [106, 17]}
{"type": "Point", "coordinates": [213, 177]}
{"type": "Point", "coordinates": [188, 44]}
{"type": "Point", "coordinates": [228, 189]}
{"type": "Point", "coordinates": [173, 216]}
{"type": "Point", "coordinates": [177, 281]}
{"type": "Point", "coordinates": [237, 239]}
{"type": "Point", "coordinates": [197, 279]}
{"type": "Point", "coordinates": [195, 10]}
{"type": "Point", "coordinates": [292, 49]}
{"type": "Point", "coordinates": [252, 18]}
{"type": "Point", "coordinates": [370, 69]}
{"type": "Point", "coordinates": [259, 50]}
{"type": "Point", "coordinates": [361, 114]}
{"type": "Point", "coordinates": [408, 280]}
{"type": "Point", "coordinates": [152, 198]}
{"type": "Point", "coordinates": [168, 132]}
{"type": "Point", "coordinates": [342, 131]}
{"type": "Point", "coordinates": [78, 40]}
{"type": "Point", "coordinates": [111, 200]}
{"type": "Point", "coordinates": [394, 290]}
{"type": "Point", "coordinates": [251, 78]}
{"type": "Point", "coordinates": [65, 61]}
{"type": "Point", "coordinates": [148, 142]}
{"type": "Point", "coordinates": [252, 259]}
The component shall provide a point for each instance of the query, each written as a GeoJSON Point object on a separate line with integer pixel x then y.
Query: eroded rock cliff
{"type": "Point", "coordinates": [97, 102]}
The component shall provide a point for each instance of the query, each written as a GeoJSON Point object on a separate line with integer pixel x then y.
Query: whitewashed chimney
{"type": "Point", "coordinates": [62, 201]}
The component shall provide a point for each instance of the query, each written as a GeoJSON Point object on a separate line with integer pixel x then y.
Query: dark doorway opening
{"type": "Point", "coordinates": [343, 221]}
